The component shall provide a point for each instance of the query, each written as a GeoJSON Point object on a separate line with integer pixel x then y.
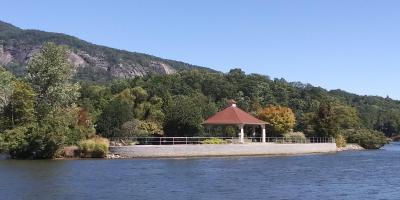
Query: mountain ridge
{"type": "Point", "coordinates": [93, 62]}
{"type": "Point", "coordinates": [17, 45]}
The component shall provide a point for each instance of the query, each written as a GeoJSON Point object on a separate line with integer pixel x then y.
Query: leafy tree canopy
{"type": "Point", "coordinates": [280, 119]}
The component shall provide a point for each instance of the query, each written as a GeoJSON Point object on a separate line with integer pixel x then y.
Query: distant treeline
{"type": "Point", "coordinates": [195, 95]}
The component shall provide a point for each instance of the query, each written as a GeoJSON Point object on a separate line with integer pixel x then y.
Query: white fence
{"type": "Point", "coordinates": [127, 141]}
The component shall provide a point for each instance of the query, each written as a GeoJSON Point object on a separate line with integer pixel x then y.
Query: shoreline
{"type": "Point", "coordinates": [116, 156]}
{"type": "Point", "coordinates": [218, 150]}
{"type": "Point", "coordinates": [351, 147]}
{"type": "Point", "coordinates": [221, 157]}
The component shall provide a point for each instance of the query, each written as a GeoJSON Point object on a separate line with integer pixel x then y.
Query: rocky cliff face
{"type": "Point", "coordinates": [92, 62]}
{"type": "Point", "coordinates": [18, 55]}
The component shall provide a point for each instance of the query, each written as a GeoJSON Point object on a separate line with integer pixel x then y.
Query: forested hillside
{"type": "Point", "coordinates": [203, 93]}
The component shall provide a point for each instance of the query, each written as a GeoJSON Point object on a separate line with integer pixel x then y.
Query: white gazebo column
{"type": "Point", "coordinates": [254, 134]}
{"type": "Point", "coordinates": [263, 133]}
{"type": "Point", "coordinates": [241, 134]}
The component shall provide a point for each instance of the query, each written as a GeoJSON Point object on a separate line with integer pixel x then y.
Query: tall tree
{"type": "Point", "coordinates": [6, 87]}
{"type": "Point", "coordinates": [184, 116]}
{"type": "Point", "coordinates": [326, 121]}
{"type": "Point", "coordinates": [347, 117]}
{"type": "Point", "coordinates": [49, 73]}
{"type": "Point", "coordinates": [114, 115]}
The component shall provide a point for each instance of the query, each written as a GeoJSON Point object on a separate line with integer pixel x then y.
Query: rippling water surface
{"type": "Point", "coordinates": [345, 175]}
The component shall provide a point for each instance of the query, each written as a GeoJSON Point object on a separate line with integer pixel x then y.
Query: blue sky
{"type": "Point", "coordinates": [349, 44]}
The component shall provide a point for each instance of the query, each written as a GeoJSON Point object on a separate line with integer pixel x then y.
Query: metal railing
{"type": "Point", "coordinates": [127, 141]}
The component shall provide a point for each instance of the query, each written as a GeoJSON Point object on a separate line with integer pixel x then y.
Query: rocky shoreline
{"type": "Point", "coordinates": [113, 156]}
{"type": "Point", "coordinates": [350, 147]}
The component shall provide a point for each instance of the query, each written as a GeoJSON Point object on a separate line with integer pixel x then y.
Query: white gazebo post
{"type": "Point", "coordinates": [241, 134]}
{"type": "Point", "coordinates": [254, 133]}
{"type": "Point", "coordinates": [263, 133]}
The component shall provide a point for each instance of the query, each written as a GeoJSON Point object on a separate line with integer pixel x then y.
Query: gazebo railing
{"type": "Point", "coordinates": [127, 141]}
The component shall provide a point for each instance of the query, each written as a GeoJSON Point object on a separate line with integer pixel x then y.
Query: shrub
{"type": "Point", "coordinates": [230, 131]}
{"type": "Point", "coordinates": [213, 141]}
{"type": "Point", "coordinates": [340, 141]}
{"type": "Point", "coordinates": [15, 142]}
{"type": "Point", "coordinates": [94, 148]}
{"type": "Point", "coordinates": [33, 142]}
{"type": "Point", "coordinates": [86, 147]}
{"type": "Point", "coordinates": [138, 128]}
{"type": "Point", "coordinates": [368, 139]}
{"type": "Point", "coordinates": [294, 136]}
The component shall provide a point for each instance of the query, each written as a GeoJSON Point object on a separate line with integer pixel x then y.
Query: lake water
{"type": "Point", "coordinates": [345, 175]}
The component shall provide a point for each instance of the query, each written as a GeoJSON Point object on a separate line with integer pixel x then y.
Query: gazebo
{"type": "Point", "coordinates": [232, 115]}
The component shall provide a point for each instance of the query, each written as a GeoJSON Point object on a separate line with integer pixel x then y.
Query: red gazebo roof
{"type": "Point", "coordinates": [233, 115]}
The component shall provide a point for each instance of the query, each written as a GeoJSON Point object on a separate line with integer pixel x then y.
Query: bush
{"type": "Point", "coordinates": [230, 131]}
{"type": "Point", "coordinates": [294, 136]}
{"type": "Point", "coordinates": [340, 141]}
{"type": "Point", "coordinates": [368, 139]}
{"type": "Point", "coordinates": [15, 142]}
{"type": "Point", "coordinates": [87, 147]}
{"type": "Point", "coordinates": [94, 148]}
{"type": "Point", "coordinates": [139, 128]}
{"type": "Point", "coordinates": [213, 141]}
{"type": "Point", "coordinates": [33, 142]}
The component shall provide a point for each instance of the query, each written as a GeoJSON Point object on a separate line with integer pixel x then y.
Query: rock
{"type": "Point", "coordinates": [114, 156]}
{"type": "Point", "coordinates": [5, 57]}
{"type": "Point", "coordinates": [351, 147]}
{"type": "Point", "coordinates": [21, 53]}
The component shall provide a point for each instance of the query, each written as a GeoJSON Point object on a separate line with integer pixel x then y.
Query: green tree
{"type": "Point", "coordinates": [183, 117]}
{"type": "Point", "coordinates": [307, 124]}
{"type": "Point", "coordinates": [332, 118]}
{"type": "Point", "coordinates": [6, 87]}
{"type": "Point", "coordinates": [94, 98]}
{"type": "Point", "coordinates": [80, 125]}
{"type": "Point", "coordinates": [114, 115]}
{"type": "Point", "coordinates": [132, 129]}
{"type": "Point", "coordinates": [130, 111]}
{"type": "Point", "coordinates": [49, 73]}
{"type": "Point", "coordinates": [21, 110]}
{"type": "Point", "coordinates": [347, 117]}
{"type": "Point", "coordinates": [326, 121]}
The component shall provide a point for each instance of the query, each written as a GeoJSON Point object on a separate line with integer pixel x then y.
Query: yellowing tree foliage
{"type": "Point", "coordinates": [281, 119]}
